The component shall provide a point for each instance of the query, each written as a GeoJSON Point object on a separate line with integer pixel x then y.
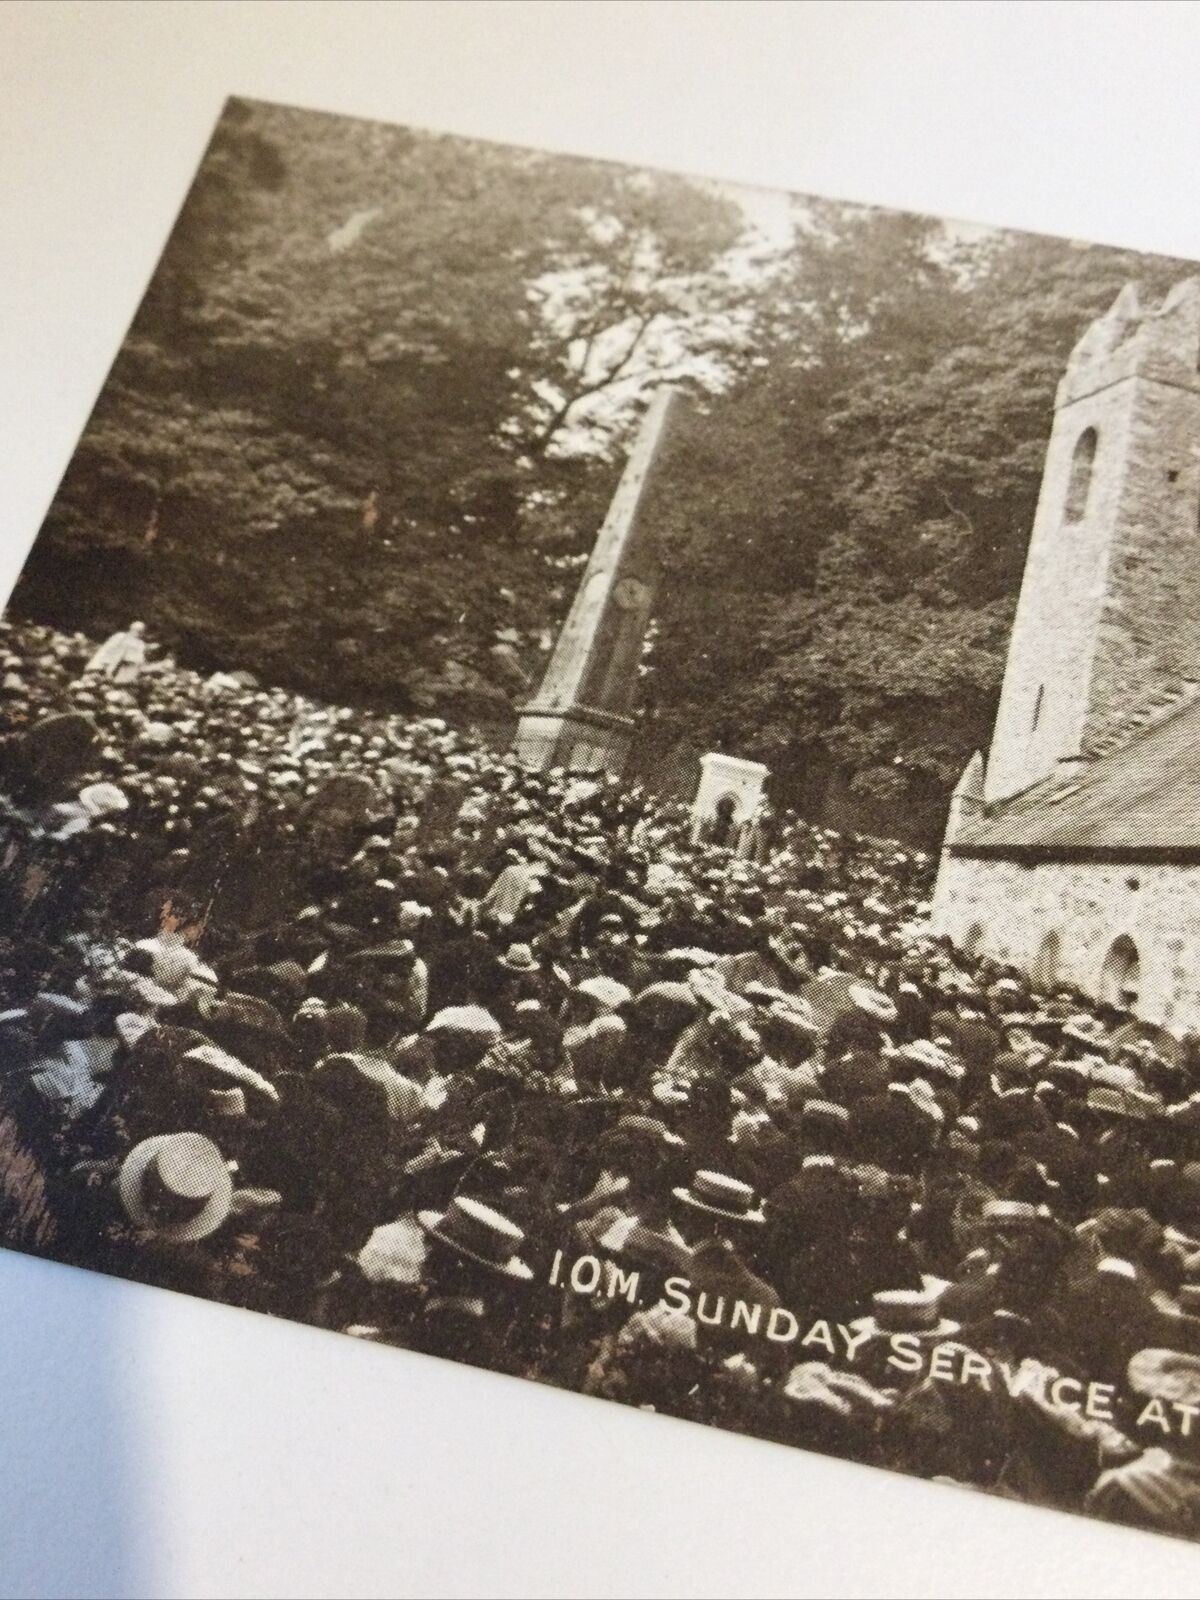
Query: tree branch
{"type": "Point", "coordinates": [584, 390]}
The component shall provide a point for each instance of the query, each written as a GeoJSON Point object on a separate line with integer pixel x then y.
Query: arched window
{"type": "Point", "coordinates": [1120, 976]}
{"type": "Point", "coordinates": [1081, 475]}
{"type": "Point", "coordinates": [1045, 968]}
{"type": "Point", "coordinates": [1037, 707]}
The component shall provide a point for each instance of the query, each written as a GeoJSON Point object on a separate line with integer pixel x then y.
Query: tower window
{"type": "Point", "coordinates": [1120, 976]}
{"type": "Point", "coordinates": [1045, 968]}
{"type": "Point", "coordinates": [1081, 475]}
{"type": "Point", "coordinates": [1037, 707]}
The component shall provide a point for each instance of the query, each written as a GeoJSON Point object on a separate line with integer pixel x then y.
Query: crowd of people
{"type": "Point", "coordinates": [345, 1017]}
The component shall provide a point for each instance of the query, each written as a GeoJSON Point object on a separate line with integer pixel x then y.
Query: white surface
{"type": "Point", "coordinates": [155, 1445]}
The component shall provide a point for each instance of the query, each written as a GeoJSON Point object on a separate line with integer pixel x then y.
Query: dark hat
{"type": "Point", "coordinates": [629, 1238]}
{"type": "Point", "coordinates": [59, 1016]}
{"type": "Point", "coordinates": [322, 1028]}
{"type": "Point", "coordinates": [354, 1078]}
{"type": "Point", "coordinates": [650, 1132]}
{"type": "Point", "coordinates": [855, 1075]}
{"type": "Point", "coordinates": [395, 953]}
{"type": "Point", "coordinates": [823, 1116]}
{"type": "Point", "coordinates": [666, 1005]}
{"type": "Point", "coordinates": [435, 1157]}
{"type": "Point", "coordinates": [283, 983]}
{"type": "Point", "coordinates": [160, 1047]}
{"type": "Point", "coordinates": [238, 1019]}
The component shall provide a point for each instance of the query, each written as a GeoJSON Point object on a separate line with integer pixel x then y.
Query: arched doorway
{"type": "Point", "coordinates": [724, 820]}
{"type": "Point", "coordinates": [973, 941]}
{"type": "Point", "coordinates": [1120, 976]}
{"type": "Point", "coordinates": [1045, 968]}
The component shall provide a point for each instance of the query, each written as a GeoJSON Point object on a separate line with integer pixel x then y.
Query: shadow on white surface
{"type": "Point", "coordinates": [154, 1445]}
{"type": "Point", "coordinates": [73, 1508]}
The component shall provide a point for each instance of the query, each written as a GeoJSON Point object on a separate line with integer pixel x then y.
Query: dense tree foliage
{"type": "Point", "coordinates": [858, 506]}
{"type": "Point", "coordinates": [326, 450]}
{"type": "Point", "coordinates": [363, 428]}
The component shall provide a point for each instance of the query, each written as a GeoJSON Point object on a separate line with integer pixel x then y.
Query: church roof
{"type": "Point", "coordinates": [1138, 802]}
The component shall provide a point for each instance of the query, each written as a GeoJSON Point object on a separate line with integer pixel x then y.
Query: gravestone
{"type": "Point", "coordinates": [582, 715]}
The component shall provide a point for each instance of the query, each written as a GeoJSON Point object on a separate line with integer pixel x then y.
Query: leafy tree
{"type": "Point", "coordinates": [367, 356]}
{"type": "Point", "coordinates": [850, 530]}
{"type": "Point", "coordinates": [365, 425]}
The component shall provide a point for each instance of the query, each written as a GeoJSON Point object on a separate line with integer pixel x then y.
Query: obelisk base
{"type": "Point", "coordinates": [581, 740]}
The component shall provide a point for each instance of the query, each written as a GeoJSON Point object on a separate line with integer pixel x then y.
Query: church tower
{"type": "Point", "coordinates": [1107, 622]}
{"type": "Point", "coordinates": [582, 717]}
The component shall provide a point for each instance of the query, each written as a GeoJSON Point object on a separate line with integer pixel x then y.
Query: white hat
{"type": "Point", "coordinates": [176, 1185]}
{"type": "Point", "coordinates": [464, 1019]}
{"type": "Point", "coordinates": [605, 991]}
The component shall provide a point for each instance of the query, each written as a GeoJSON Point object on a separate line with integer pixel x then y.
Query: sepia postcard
{"type": "Point", "coordinates": [598, 778]}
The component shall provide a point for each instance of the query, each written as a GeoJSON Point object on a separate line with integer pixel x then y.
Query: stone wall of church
{"type": "Point", "coordinates": [1060, 921]}
{"type": "Point", "coordinates": [1149, 633]}
{"type": "Point", "coordinates": [1047, 687]}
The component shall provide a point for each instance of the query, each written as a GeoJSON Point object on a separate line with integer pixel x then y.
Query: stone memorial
{"type": "Point", "coordinates": [582, 716]}
{"type": "Point", "coordinates": [728, 797]}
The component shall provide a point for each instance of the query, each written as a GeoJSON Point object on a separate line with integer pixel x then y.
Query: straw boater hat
{"type": "Point", "coordinates": [1183, 1310]}
{"type": "Point", "coordinates": [474, 1230]}
{"type": "Point", "coordinates": [721, 1196]}
{"type": "Point", "coordinates": [225, 1070]}
{"type": "Point", "coordinates": [434, 1157]}
{"type": "Point", "coordinates": [650, 1132]}
{"type": "Point", "coordinates": [1133, 1104]}
{"type": "Point", "coordinates": [1166, 1375]}
{"type": "Point", "coordinates": [929, 1057]}
{"type": "Point", "coordinates": [911, 1311]}
{"type": "Point", "coordinates": [871, 1002]}
{"type": "Point", "coordinates": [1008, 1216]}
{"type": "Point", "coordinates": [176, 1186]}
{"type": "Point", "coordinates": [787, 1010]}
{"type": "Point", "coordinates": [1004, 987]}
{"type": "Point", "coordinates": [920, 1095]}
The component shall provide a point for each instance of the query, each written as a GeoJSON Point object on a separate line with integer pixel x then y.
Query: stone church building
{"type": "Point", "coordinates": [1074, 853]}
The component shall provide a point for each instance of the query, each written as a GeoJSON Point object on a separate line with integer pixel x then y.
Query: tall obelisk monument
{"type": "Point", "coordinates": [582, 716]}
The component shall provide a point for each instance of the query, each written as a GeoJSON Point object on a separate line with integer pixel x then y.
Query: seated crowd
{"type": "Point", "coordinates": [345, 1017]}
